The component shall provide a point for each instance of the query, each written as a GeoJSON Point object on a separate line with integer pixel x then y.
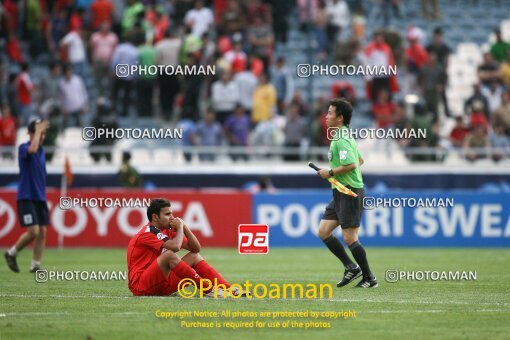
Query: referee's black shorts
{"type": "Point", "coordinates": [345, 209]}
{"type": "Point", "coordinates": [33, 212]}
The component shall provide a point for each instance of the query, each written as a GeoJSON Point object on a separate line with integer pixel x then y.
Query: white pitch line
{"type": "Point", "coordinates": [57, 296]}
{"type": "Point", "coordinates": [359, 313]}
{"type": "Point", "coordinates": [406, 311]}
{"type": "Point", "coordinates": [425, 302]}
{"type": "Point", "coordinates": [72, 313]}
{"type": "Point", "coordinates": [435, 311]}
{"type": "Point", "coordinates": [36, 313]}
{"type": "Point", "coordinates": [68, 296]}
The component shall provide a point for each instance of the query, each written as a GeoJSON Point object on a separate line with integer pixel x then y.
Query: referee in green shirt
{"type": "Point", "coordinates": [345, 161]}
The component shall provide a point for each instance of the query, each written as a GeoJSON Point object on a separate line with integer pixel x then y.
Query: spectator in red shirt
{"type": "Point", "coordinates": [478, 116]}
{"type": "Point", "coordinates": [24, 89]}
{"type": "Point", "coordinates": [11, 14]}
{"type": "Point", "coordinates": [383, 110]}
{"type": "Point", "coordinates": [7, 132]}
{"type": "Point", "coordinates": [459, 132]}
{"type": "Point", "coordinates": [236, 58]}
{"type": "Point", "coordinates": [101, 11]}
{"type": "Point", "coordinates": [13, 49]}
{"type": "Point", "coordinates": [160, 26]}
{"type": "Point", "coordinates": [416, 54]}
{"type": "Point", "coordinates": [345, 90]}
{"type": "Point", "coordinates": [76, 19]}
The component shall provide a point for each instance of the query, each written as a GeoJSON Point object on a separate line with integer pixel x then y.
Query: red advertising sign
{"type": "Point", "coordinates": [90, 218]}
{"type": "Point", "coordinates": [253, 239]}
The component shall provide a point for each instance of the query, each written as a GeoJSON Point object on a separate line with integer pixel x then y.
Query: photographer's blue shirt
{"type": "Point", "coordinates": [32, 174]}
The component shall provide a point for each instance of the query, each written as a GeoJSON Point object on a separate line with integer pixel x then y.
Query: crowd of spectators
{"type": "Point", "coordinates": [486, 122]}
{"type": "Point", "coordinates": [423, 71]}
{"type": "Point", "coordinates": [251, 98]}
{"type": "Point", "coordinates": [81, 43]}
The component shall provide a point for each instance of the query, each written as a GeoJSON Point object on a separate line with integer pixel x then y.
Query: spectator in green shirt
{"type": "Point", "coordinates": [145, 83]}
{"type": "Point", "coordinates": [500, 47]}
{"type": "Point", "coordinates": [128, 176]}
{"type": "Point", "coordinates": [131, 12]}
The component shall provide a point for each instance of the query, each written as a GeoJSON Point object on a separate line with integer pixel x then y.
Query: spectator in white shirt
{"type": "Point", "coordinates": [246, 83]}
{"type": "Point", "coordinates": [199, 19]}
{"type": "Point", "coordinates": [76, 51]}
{"type": "Point", "coordinates": [339, 19]}
{"type": "Point", "coordinates": [225, 96]}
{"type": "Point", "coordinates": [493, 94]}
{"type": "Point", "coordinates": [73, 97]}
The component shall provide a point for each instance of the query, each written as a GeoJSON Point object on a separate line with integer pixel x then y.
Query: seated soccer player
{"type": "Point", "coordinates": [153, 264]}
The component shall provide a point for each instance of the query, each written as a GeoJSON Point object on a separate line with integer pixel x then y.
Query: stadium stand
{"type": "Point", "coordinates": [292, 36]}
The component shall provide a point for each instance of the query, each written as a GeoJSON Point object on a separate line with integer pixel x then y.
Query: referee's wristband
{"type": "Point", "coordinates": [331, 173]}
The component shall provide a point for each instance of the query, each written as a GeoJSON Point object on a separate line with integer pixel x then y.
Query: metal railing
{"type": "Point", "coordinates": [260, 153]}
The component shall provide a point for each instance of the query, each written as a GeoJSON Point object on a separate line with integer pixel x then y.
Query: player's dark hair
{"type": "Point", "coordinates": [156, 205]}
{"type": "Point", "coordinates": [32, 124]}
{"type": "Point", "coordinates": [342, 107]}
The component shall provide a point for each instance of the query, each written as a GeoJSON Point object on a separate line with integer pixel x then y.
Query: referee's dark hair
{"type": "Point", "coordinates": [156, 205]}
{"type": "Point", "coordinates": [342, 107]}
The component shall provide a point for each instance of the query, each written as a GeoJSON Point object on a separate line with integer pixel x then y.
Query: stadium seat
{"type": "Point", "coordinates": [505, 29]}
{"type": "Point", "coordinates": [470, 52]}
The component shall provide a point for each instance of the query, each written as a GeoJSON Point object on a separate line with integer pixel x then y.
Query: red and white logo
{"type": "Point", "coordinates": [253, 239]}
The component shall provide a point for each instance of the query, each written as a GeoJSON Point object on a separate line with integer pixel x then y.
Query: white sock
{"type": "Point", "coordinates": [36, 263]}
{"type": "Point", "coordinates": [12, 251]}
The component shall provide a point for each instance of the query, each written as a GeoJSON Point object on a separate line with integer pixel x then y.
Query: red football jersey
{"type": "Point", "coordinates": [145, 247]}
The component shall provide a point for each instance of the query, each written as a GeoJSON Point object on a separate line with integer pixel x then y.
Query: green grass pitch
{"type": "Point", "coordinates": [409, 309]}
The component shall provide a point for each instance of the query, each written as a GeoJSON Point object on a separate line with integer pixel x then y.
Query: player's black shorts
{"type": "Point", "coordinates": [345, 209]}
{"type": "Point", "coordinates": [33, 212]}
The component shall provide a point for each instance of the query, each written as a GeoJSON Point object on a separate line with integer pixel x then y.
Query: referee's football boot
{"type": "Point", "coordinates": [11, 262]}
{"type": "Point", "coordinates": [349, 276]}
{"type": "Point", "coordinates": [368, 282]}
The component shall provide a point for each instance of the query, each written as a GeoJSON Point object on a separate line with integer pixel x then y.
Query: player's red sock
{"type": "Point", "coordinates": [205, 270]}
{"type": "Point", "coordinates": [183, 270]}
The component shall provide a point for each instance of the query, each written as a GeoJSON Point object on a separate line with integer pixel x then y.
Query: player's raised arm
{"type": "Point", "coordinates": [175, 244]}
{"type": "Point", "coordinates": [192, 244]}
{"type": "Point", "coordinates": [36, 141]}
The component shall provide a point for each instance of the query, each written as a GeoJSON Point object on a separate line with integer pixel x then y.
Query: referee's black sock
{"type": "Point", "coordinates": [338, 250]}
{"type": "Point", "coordinates": [360, 256]}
